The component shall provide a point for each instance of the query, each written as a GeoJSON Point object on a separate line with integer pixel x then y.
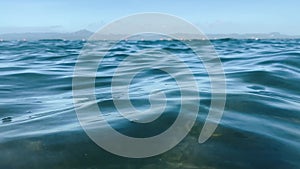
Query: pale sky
{"type": "Point", "coordinates": [210, 16]}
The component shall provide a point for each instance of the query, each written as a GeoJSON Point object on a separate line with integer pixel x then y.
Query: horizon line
{"type": "Point", "coordinates": [89, 31]}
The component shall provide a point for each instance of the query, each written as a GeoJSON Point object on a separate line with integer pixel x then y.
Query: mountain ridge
{"type": "Point", "coordinates": [85, 34]}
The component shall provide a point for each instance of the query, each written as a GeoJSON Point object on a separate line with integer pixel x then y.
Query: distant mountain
{"type": "Point", "coordinates": [274, 35]}
{"type": "Point", "coordinates": [85, 34]}
{"type": "Point", "coordinates": [82, 34]}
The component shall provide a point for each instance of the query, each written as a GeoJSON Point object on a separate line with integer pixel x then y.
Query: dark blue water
{"type": "Point", "coordinates": [260, 127]}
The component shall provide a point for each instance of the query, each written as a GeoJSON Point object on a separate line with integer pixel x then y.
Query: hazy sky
{"type": "Point", "coordinates": [211, 16]}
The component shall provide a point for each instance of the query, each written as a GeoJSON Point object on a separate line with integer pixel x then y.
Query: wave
{"type": "Point", "coordinates": [259, 128]}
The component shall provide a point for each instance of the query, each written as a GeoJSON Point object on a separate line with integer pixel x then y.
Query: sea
{"type": "Point", "coordinates": [259, 128]}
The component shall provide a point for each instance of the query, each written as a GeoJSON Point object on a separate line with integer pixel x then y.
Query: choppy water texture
{"type": "Point", "coordinates": [260, 127]}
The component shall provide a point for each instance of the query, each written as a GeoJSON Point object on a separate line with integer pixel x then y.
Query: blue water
{"type": "Point", "coordinates": [260, 127]}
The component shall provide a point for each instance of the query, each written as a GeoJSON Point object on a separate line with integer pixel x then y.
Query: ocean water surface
{"type": "Point", "coordinates": [260, 127]}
